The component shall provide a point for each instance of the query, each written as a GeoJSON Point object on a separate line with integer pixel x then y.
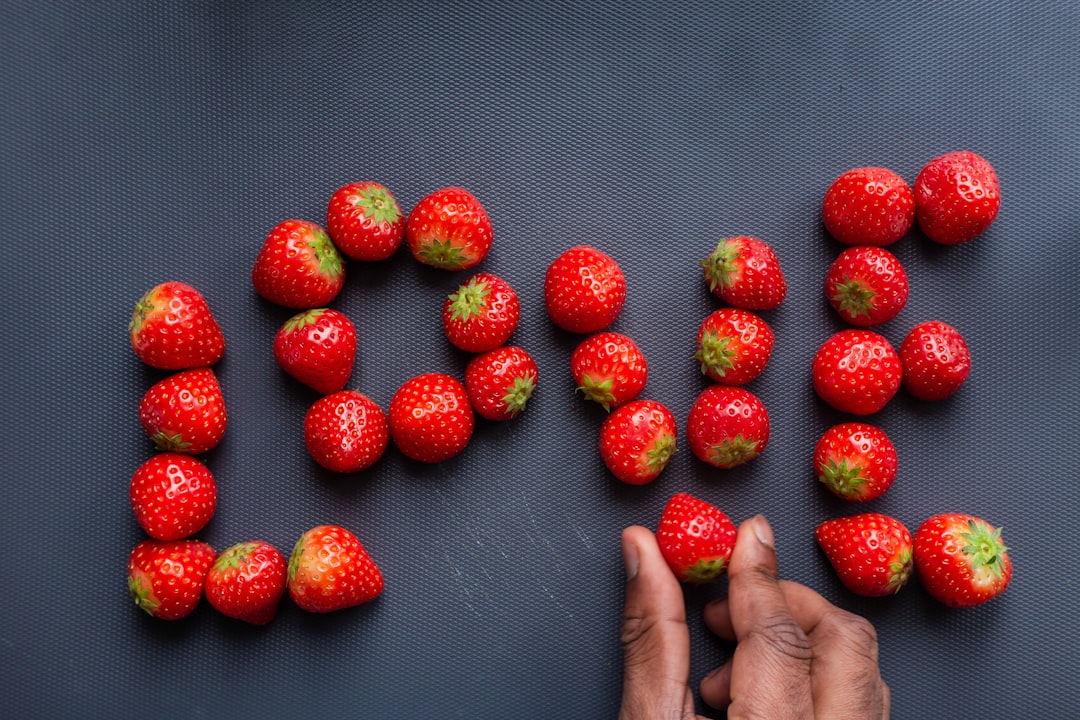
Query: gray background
{"type": "Point", "coordinates": [151, 141]}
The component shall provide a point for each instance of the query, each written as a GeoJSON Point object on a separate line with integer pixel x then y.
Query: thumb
{"type": "Point", "coordinates": [655, 639]}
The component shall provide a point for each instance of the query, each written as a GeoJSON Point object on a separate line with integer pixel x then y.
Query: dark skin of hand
{"type": "Point", "coordinates": [796, 654]}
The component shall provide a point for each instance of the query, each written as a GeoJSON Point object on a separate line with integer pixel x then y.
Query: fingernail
{"type": "Point", "coordinates": [762, 530]}
{"type": "Point", "coordinates": [631, 560]}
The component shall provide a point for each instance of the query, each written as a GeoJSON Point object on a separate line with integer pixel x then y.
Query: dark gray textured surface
{"type": "Point", "coordinates": [145, 142]}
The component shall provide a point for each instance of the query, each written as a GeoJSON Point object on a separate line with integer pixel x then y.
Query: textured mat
{"type": "Point", "coordinates": [145, 142]}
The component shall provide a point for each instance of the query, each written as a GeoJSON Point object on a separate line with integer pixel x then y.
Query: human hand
{"type": "Point", "coordinates": [796, 654]}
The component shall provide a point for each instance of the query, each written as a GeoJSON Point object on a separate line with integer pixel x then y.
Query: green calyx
{"type": "Point", "coordinates": [721, 266]}
{"type": "Point", "coordinates": [518, 394]}
{"type": "Point", "coordinates": [302, 320]}
{"type": "Point", "coordinates": [599, 391]}
{"type": "Point", "coordinates": [984, 547]}
{"type": "Point", "coordinates": [377, 205]}
{"type": "Point", "coordinates": [469, 300]}
{"type": "Point", "coordinates": [446, 255]}
{"type": "Point", "coordinates": [715, 355]}
{"type": "Point", "coordinates": [733, 451]}
{"type": "Point", "coordinates": [843, 479]}
{"type": "Point", "coordinates": [326, 253]}
{"type": "Point", "coordinates": [705, 570]}
{"type": "Point", "coordinates": [854, 298]}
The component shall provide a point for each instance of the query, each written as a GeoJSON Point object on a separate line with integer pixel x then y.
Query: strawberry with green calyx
{"type": "Point", "coordinates": [936, 360]}
{"type": "Point", "coordinates": [500, 382]}
{"type": "Point", "coordinates": [733, 346]}
{"type": "Point", "coordinates": [318, 348]}
{"type": "Point", "coordinates": [868, 206]}
{"type": "Point", "coordinates": [185, 412]}
{"type": "Point", "coordinates": [727, 426]}
{"type": "Point", "coordinates": [696, 538]}
{"type": "Point", "coordinates": [961, 559]}
{"type": "Point", "coordinates": [481, 314]}
{"type": "Point", "coordinates": [856, 371]}
{"type": "Point", "coordinates": [866, 286]}
{"type": "Point", "coordinates": [166, 579]}
{"type": "Point", "coordinates": [172, 328]}
{"type": "Point", "coordinates": [431, 418]}
{"type": "Point", "coordinates": [329, 569]}
{"type": "Point", "coordinates": [173, 496]}
{"type": "Point", "coordinates": [365, 221]}
{"type": "Point", "coordinates": [871, 553]}
{"type": "Point", "coordinates": [584, 290]}
{"type": "Point", "coordinates": [855, 461]}
{"type": "Point", "coordinates": [247, 582]}
{"type": "Point", "coordinates": [957, 197]}
{"type": "Point", "coordinates": [744, 271]}
{"type": "Point", "coordinates": [637, 440]}
{"type": "Point", "coordinates": [298, 266]}
{"type": "Point", "coordinates": [609, 369]}
{"type": "Point", "coordinates": [449, 229]}
{"type": "Point", "coordinates": [346, 431]}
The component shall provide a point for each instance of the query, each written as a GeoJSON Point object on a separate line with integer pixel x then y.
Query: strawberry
{"type": "Point", "coordinates": [298, 266]}
{"type": "Point", "coordinates": [247, 582]}
{"type": "Point", "coordinates": [733, 346]}
{"type": "Point", "coordinates": [727, 426]}
{"type": "Point", "coordinates": [449, 229]}
{"type": "Point", "coordinates": [744, 271]}
{"type": "Point", "coordinates": [957, 197]}
{"type": "Point", "coordinates": [185, 412]}
{"type": "Point", "coordinates": [173, 496]}
{"type": "Point", "coordinates": [868, 206]}
{"type": "Point", "coordinates": [856, 371]}
{"type": "Point", "coordinates": [609, 369]}
{"type": "Point", "coordinates": [346, 431]}
{"type": "Point", "coordinates": [871, 552]}
{"type": "Point", "coordinates": [365, 221]}
{"type": "Point", "coordinates": [430, 417]}
{"type": "Point", "coordinates": [855, 461]}
{"type": "Point", "coordinates": [696, 538]}
{"type": "Point", "coordinates": [317, 347]}
{"type": "Point", "coordinates": [866, 286]}
{"type": "Point", "coordinates": [172, 328]}
{"type": "Point", "coordinates": [481, 314]}
{"type": "Point", "coordinates": [584, 290]}
{"type": "Point", "coordinates": [935, 359]}
{"type": "Point", "coordinates": [166, 579]}
{"type": "Point", "coordinates": [961, 559]}
{"type": "Point", "coordinates": [637, 440]}
{"type": "Point", "coordinates": [500, 382]}
{"type": "Point", "coordinates": [329, 569]}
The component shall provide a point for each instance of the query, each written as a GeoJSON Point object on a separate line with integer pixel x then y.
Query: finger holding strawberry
{"type": "Point", "coordinates": [481, 314]}
{"type": "Point", "coordinates": [298, 266]}
{"type": "Point", "coordinates": [449, 229]}
{"type": "Point", "coordinates": [961, 559]}
{"type": "Point", "coordinates": [609, 369]}
{"type": "Point", "coordinates": [172, 328]}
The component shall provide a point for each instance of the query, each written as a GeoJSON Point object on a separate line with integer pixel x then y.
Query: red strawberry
{"type": "Point", "coordinates": [298, 266]}
{"type": "Point", "coordinates": [431, 419]}
{"type": "Point", "coordinates": [957, 197]}
{"type": "Point", "coordinates": [346, 431]}
{"type": "Point", "coordinates": [855, 461]}
{"type": "Point", "coordinates": [871, 553]}
{"type": "Point", "coordinates": [449, 229]}
{"type": "Point", "coordinates": [744, 271]}
{"type": "Point", "coordinates": [961, 559]}
{"type": "Point", "coordinates": [166, 579]}
{"type": "Point", "coordinates": [173, 496]}
{"type": "Point", "coordinates": [329, 569]}
{"type": "Point", "coordinates": [696, 538]}
{"type": "Point", "coordinates": [935, 359]}
{"type": "Point", "coordinates": [584, 290]}
{"type": "Point", "coordinates": [500, 382]}
{"type": "Point", "coordinates": [482, 314]}
{"type": "Point", "coordinates": [365, 221]}
{"type": "Point", "coordinates": [637, 440]}
{"type": "Point", "coordinates": [856, 371]}
{"type": "Point", "coordinates": [727, 426]}
{"type": "Point", "coordinates": [868, 206]}
{"type": "Point", "coordinates": [172, 328]}
{"type": "Point", "coordinates": [733, 346]}
{"type": "Point", "coordinates": [317, 347]}
{"type": "Point", "coordinates": [867, 286]}
{"type": "Point", "coordinates": [185, 412]}
{"type": "Point", "coordinates": [247, 582]}
{"type": "Point", "coordinates": [609, 369]}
